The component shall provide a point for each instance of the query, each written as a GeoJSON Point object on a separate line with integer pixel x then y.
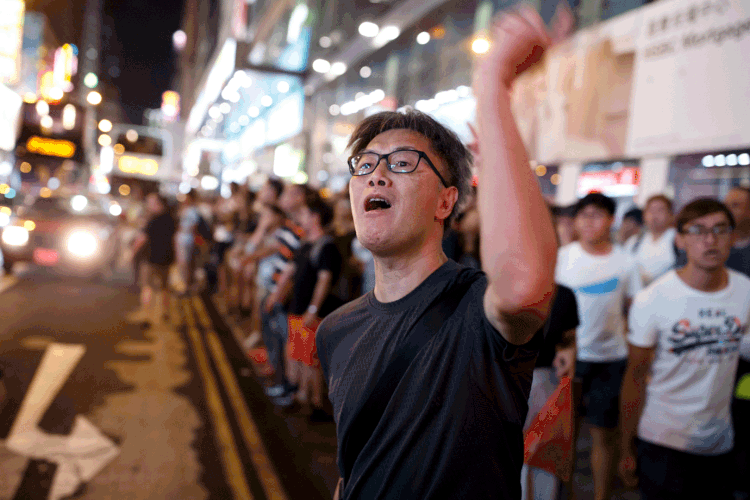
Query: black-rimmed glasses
{"type": "Point", "coordinates": [403, 161]}
{"type": "Point", "coordinates": [698, 230]}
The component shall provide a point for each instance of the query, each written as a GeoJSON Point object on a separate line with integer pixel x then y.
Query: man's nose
{"type": "Point", "coordinates": [381, 175]}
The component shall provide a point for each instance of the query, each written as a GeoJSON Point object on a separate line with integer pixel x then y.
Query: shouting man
{"type": "Point", "coordinates": [429, 374]}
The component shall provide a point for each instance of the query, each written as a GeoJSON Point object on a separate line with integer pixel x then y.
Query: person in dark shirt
{"type": "Point", "coordinates": [315, 269]}
{"type": "Point", "coordinates": [430, 372]}
{"type": "Point", "coordinates": [158, 237]}
{"type": "Point", "coordinates": [557, 359]}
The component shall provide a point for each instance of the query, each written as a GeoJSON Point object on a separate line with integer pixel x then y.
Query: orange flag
{"type": "Point", "coordinates": [548, 443]}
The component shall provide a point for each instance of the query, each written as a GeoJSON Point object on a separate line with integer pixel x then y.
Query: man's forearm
{"type": "Point", "coordinates": [322, 289]}
{"type": "Point", "coordinates": [631, 402]}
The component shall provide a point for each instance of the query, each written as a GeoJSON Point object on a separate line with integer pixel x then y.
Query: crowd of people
{"type": "Point", "coordinates": [430, 313]}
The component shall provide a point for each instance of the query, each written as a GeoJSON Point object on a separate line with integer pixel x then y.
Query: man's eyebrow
{"type": "Point", "coordinates": [397, 148]}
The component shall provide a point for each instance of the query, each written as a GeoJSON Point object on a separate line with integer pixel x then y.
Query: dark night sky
{"type": "Point", "coordinates": [139, 36]}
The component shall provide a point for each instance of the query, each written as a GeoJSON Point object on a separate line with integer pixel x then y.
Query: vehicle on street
{"type": "Point", "coordinates": [76, 234]}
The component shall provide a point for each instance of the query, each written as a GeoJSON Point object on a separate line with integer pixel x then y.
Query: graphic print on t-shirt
{"type": "Point", "coordinates": [608, 286]}
{"type": "Point", "coordinates": [717, 335]}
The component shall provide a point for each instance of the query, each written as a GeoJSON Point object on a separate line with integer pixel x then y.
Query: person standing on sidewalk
{"type": "Point", "coordinates": [686, 332]}
{"type": "Point", "coordinates": [604, 278]}
{"type": "Point", "coordinates": [159, 240]}
{"type": "Point", "coordinates": [429, 374]}
{"type": "Point", "coordinates": [655, 252]}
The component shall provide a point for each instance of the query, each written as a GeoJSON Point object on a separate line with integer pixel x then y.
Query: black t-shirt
{"type": "Point", "coordinates": [160, 231]}
{"type": "Point", "coordinates": [309, 260]}
{"type": "Point", "coordinates": [452, 427]}
{"type": "Point", "coordinates": [563, 316]}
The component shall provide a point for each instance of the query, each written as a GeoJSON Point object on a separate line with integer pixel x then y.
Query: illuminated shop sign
{"type": "Point", "coordinates": [618, 181]}
{"type": "Point", "coordinates": [133, 165]}
{"type": "Point", "coordinates": [50, 147]}
{"type": "Point", "coordinates": [11, 39]}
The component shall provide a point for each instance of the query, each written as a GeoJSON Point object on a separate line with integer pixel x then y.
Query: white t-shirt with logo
{"type": "Point", "coordinates": [697, 337]}
{"type": "Point", "coordinates": [601, 284]}
{"type": "Point", "coordinates": [655, 257]}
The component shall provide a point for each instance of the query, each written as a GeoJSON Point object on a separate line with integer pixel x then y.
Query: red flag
{"type": "Point", "coordinates": [548, 443]}
{"type": "Point", "coordinates": [302, 341]}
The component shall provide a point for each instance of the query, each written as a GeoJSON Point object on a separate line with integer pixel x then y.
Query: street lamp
{"type": "Point", "coordinates": [94, 98]}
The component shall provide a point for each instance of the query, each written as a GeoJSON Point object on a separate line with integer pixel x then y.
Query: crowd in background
{"type": "Point", "coordinates": [285, 257]}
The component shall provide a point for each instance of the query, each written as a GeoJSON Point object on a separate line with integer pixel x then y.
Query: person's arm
{"type": "Point", "coordinates": [518, 246]}
{"type": "Point", "coordinates": [283, 287]}
{"type": "Point", "coordinates": [322, 288]}
{"type": "Point", "coordinates": [631, 407]}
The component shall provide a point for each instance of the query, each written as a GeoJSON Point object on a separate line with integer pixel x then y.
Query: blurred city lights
{"type": "Point", "coordinates": [225, 108]}
{"type": "Point", "coordinates": [743, 159]}
{"type": "Point", "coordinates": [720, 160]}
{"type": "Point", "coordinates": [42, 108]}
{"type": "Point", "coordinates": [4, 189]}
{"type": "Point", "coordinates": [480, 45]}
{"type": "Point", "coordinates": [53, 183]}
{"type": "Point", "coordinates": [94, 98]}
{"type": "Point", "coordinates": [338, 68]}
{"type": "Point", "coordinates": [282, 87]}
{"type": "Point", "coordinates": [46, 121]}
{"type": "Point", "coordinates": [105, 125]}
{"type": "Point", "coordinates": [91, 80]}
{"type": "Point", "coordinates": [266, 100]}
{"type": "Point", "coordinates": [104, 140]}
{"type": "Point", "coordinates": [555, 179]}
{"type": "Point", "coordinates": [708, 161]}
{"type": "Point", "coordinates": [423, 38]}
{"type": "Point", "coordinates": [29, 98]}
{"type": "Point", "coordinates": [325, 42]}
{"type": "Point", "coordinates": [10, 194]}
{"type": "Point", "coordinates": [209, 182]}
{"type": "Point", "coordinates": [25, 168]}
{"type": "Point", "coordinates": [6, 210]}
{"type": "Point", "coordinates": [119, 149]}
{"type": "Point", "coordinates": [253, 112]}
{"type": "Point", "coordinates": [29, 225]}
{"type": "Point", "coordinates": [56, 93]}
{"type": "Point", "coordinates": [387, 34]}
{"type": "Point", "coordinates": [45, 192]}
{"type": "Point", "coordinates": [321, 65]}
{"type": "Point", "coordinates": [69, 117]}
{"type": "Point", "coordinates": [540, 170]}
{"type": "Point", "coordinates": [124, 189]}
{"type": "Point", "coordinates": [368, 29]}
{"type": "Point", "coordinates": [179, 39]}
{"type": "Point", "coordinates": [334, 109]}
{"type": "Point", "coordinates": [131, 135]}
{"type": "Point", "coordinates": [365, 72]}
{"type": "Point", "coordinates": [79, 202]}
{"type": "Point", "coordinates": [115, 209]}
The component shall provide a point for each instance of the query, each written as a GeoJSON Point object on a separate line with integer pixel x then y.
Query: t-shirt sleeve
{"type": "Point", "coordinates": [642, 322]}
{"type": "Point", "coordinates": [329, 260]}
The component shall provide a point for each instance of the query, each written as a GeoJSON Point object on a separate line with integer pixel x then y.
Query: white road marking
{"type": "Point", "coordinates": [79, 456]}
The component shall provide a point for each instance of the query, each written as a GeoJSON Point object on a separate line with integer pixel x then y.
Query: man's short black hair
{"type": "Point", "coordinates": [446, 144]}
{"type": "Point", "coordinates": [598, 200]}
{"type": "Point", "coordinates": [318, 206]}
{"type": "Point", "coordinates": [636, 214]}
{"type": "Point", "coordinates": [277, 185]}
{"type": "Point", "coordinates": [699, 208]}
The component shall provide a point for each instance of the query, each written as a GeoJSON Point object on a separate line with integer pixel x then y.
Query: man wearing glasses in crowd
{"type": "Point", "coordinates": [686, 332]}
{"type": "Point", "coordinates": [429, 374]}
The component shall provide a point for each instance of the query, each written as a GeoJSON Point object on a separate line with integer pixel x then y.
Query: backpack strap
{"type": "Point", "coordinates": [371, 412]}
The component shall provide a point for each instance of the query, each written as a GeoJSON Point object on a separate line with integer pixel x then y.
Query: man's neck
{"type": "Point", "coordinates": [704, 280]}
{"type": "Point", "coordinates": [396, 277]}
{"type": "Point", "coordinates": [602, 247]}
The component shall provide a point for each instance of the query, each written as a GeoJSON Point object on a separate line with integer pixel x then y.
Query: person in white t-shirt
{"type": "Point", "coordinates": [655, 252]}
{"type": "Point", "coordinates": [603, 278]}
{"type": "Point", "coordinates": [686, 333]}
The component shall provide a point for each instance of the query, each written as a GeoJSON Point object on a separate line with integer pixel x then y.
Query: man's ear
{"type": "Point", "coordinates": [448, 199]}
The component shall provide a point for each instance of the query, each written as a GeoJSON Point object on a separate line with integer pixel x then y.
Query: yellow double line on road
{"type": "Point", "coordinates": [251, 436]}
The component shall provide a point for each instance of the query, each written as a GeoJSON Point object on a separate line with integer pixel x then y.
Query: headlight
{"type": "Point", "coordinates": [82, 243]}
{"type": "Point", "coordinates": [15, 236]}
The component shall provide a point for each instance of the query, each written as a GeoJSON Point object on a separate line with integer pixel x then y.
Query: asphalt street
{"type": "Point", "coordinates": [99, 408]}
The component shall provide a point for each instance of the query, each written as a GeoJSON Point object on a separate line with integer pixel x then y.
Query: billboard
{"type": "Point", "coordinates": [664, 79]}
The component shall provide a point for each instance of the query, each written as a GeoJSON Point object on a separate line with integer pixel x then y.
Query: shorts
{"type": "Point", "coordinates": [600, 391]}
{"type": "Point", "coordinates": [669, 474]}
{"type": "Point", "coordinates": [155, 275]}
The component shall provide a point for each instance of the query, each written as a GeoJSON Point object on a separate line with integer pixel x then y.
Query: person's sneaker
{"type": "Point", "coordinates": [285, 401]}
{"type": "Point", "coordinates": [275, 391]}
{"type": "Point", "coordinates": [319, 415]}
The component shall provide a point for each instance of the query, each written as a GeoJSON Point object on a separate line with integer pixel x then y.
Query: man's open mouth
{"type": "Point", "coordinates": [376, 203]}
